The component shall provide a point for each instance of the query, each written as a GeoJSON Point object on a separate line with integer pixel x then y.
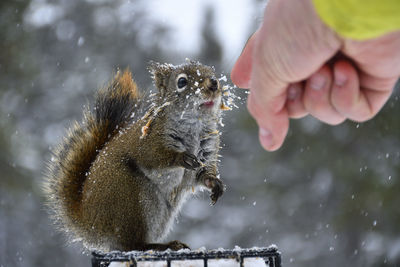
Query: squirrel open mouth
{"type": "Point", "coordinates": [208, 104]}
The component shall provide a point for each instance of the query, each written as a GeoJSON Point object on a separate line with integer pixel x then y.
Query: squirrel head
{"type": "Point", "coordinates": [189, 82]}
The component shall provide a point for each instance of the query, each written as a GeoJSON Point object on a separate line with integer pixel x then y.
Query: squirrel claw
{"type": "Point", "coordinates": [217, 189]}
{"type": "Point", "coordinates": [190, 161]}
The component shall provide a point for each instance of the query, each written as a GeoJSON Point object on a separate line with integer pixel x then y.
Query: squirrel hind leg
{"type": "Point", "coordinates": [173, 245]}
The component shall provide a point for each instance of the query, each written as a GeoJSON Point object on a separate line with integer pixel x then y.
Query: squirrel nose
{"type": "Point", "coordinates": [213, 85]}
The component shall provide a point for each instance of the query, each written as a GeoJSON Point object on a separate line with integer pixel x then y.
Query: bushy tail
{"type": "Point", "coordinates": [72, 159]}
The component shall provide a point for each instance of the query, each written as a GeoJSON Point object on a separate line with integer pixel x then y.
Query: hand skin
{"type": "Point", "coordinates": [295, 65]}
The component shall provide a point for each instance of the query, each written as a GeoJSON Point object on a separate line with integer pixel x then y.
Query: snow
{"type": "Point", "coordinates": [248, 262]}
{"type": "Point", "coordinates": [220, 261]}
{"type": "Point", "coordinates": [254, 262]}
{"type": "Point", "coordinates": [81, 41]}
{"type": "Point", "coordinates": [223, 78]}
{"type": "Point", "coordinates": [152, 264]}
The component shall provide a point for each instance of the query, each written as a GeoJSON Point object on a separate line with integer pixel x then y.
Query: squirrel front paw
{"type": "Point", "coordinates": [217, 188]}
{"type": "Point", "coordinates": [213, 183]}
{"type": "Point", "coordinates": [190, 161]}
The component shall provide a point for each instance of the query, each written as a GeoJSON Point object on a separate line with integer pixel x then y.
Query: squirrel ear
{"type": "Point", "coordinates": [160, 73]}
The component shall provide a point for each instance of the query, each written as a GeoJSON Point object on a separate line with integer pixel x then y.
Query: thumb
{"type": "Point", "coordinates": [241, 71]}
{"type": "Point", "coordinates": [268, 87]}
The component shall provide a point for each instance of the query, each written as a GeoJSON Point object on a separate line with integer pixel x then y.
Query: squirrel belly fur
{"type": "Point", "coordinates": [119, 178]}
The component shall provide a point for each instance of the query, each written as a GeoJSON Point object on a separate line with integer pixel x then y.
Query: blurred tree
{"type": "Point", "coordinates": [211, 49]}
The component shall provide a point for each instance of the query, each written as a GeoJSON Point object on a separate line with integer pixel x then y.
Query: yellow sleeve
{"type": "Point", "coordinates": [360, 19]}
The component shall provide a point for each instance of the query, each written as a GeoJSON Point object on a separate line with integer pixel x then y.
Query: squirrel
{"type": "Point", "coordinates": [119, 178]}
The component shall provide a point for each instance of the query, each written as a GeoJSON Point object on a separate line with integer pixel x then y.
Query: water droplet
{"type": "Point", "coordinates": [374, 223]}
{"type": "Point", "coordinates": [331, 248]}
{"type": "Point", "coordinates": [254, 203]}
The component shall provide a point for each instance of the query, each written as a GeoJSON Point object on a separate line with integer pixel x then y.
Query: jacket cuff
{"type": "Point", "coordinates": [360, 19]}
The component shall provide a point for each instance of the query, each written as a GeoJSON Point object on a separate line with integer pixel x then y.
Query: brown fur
{"type": "Point", "coordinates": [97, 186]}
{"type": "Point", "coordinates": [73, 158]}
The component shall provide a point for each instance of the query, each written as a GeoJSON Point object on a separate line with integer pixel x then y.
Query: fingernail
{"type": "Point", "coordinates": [340, 78]}
{"type": "Point", "coordinates": [266, 137]}
{"type": "Point", "coordinates": [317, 81]}
{"type": "Point", "coordinates": [293, 92]}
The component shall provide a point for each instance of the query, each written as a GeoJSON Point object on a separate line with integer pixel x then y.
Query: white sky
{"type": "Point", "coordinates": [234, 19]}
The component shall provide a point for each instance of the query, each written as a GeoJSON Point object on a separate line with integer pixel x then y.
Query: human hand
{"type": "Point", "coordinates": [292, 68]}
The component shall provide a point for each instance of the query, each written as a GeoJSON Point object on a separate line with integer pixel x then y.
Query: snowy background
{"type": "Point", "coordinates": [329, 197]}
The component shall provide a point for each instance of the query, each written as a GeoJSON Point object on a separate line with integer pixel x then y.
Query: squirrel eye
{"type": "Point", "coordinates": [181, 82]}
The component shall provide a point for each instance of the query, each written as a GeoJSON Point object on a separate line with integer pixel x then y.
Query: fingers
{"type": "Point", "coordinates": [355, 102]}
{"type": "Point", "coordinates": [341, 93]}
{"type": "Point", "coordinates": [294, 102]}
{"type": "Point", "coordinates": [317, 97]}
{"type": "Point", "coordinates": [241, 71]}
{"type": "Point", "coordinates": [331, 95]}
{"type": "Point", "coordinates": [273, 126]}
